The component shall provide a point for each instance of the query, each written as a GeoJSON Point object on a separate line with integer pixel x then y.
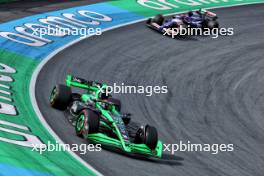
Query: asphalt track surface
{"type": "Point", "coordinates": [216, 93]}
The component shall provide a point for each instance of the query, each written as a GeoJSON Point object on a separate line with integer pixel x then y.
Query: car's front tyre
{"type": "Point", "coordinates": [88, 122]}
{"type": "Point", "coordinates": [159, 19]}
{"type": "Point", "coordinates": [151, 137]}
{"type": "Point", "coordinates": [147, 135]}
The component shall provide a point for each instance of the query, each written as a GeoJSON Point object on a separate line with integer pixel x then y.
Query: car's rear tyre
{"type": "Point", "coordinates": [158, 19]}
{"type": "Point", "coordinates": [60, 97]}
{"type": "Point", "coordinates": [87, 123]}
{"type": "Point", "coordinates": [116, 102]}
{"type": "Point", "coordinates": [148, 21]}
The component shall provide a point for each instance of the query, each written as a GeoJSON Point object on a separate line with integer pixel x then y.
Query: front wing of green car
{"type": "Point", "coordinates": [129, 148]}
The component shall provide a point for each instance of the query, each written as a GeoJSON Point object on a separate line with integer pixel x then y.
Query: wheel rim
{"type": "Point", "coordinates": [80, 124]}
{"type": "Point", "coordinates": [53, 95]}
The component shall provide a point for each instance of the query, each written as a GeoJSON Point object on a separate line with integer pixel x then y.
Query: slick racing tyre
{"type": "Point", "coordinates": [116, 102]}
{"type": "Point", "coordinates": [148, 21]}
{"type": "Point", "coordinates": [87, 123]}
{"type": "Point", "coordinates": [211, 24]}
{"type": "Point", "coordinates": [158, 19]}
{"type": "Point", "coordinates": [60, 97]}
{"type": "Point", "coordinates": [147, 135]}
{"type": "Point", "coordinates": [151, 137]}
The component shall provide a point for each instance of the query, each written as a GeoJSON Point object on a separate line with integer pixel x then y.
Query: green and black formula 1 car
{"type": "Point", "coordinates": [97, 117]}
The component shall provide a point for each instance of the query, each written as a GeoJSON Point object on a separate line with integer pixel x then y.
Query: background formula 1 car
{"type": "Point", "coordinates": [97, 117]}
{"type": "Point", "coordinates": [194, 19]}
{"type": "Point", "coordinates": [201, 19]}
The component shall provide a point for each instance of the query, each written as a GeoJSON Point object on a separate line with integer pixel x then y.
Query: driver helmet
{"type": "Point", "coordinates": [103, 95]}
{"type": "Point", "coordinates": [190, 13]}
